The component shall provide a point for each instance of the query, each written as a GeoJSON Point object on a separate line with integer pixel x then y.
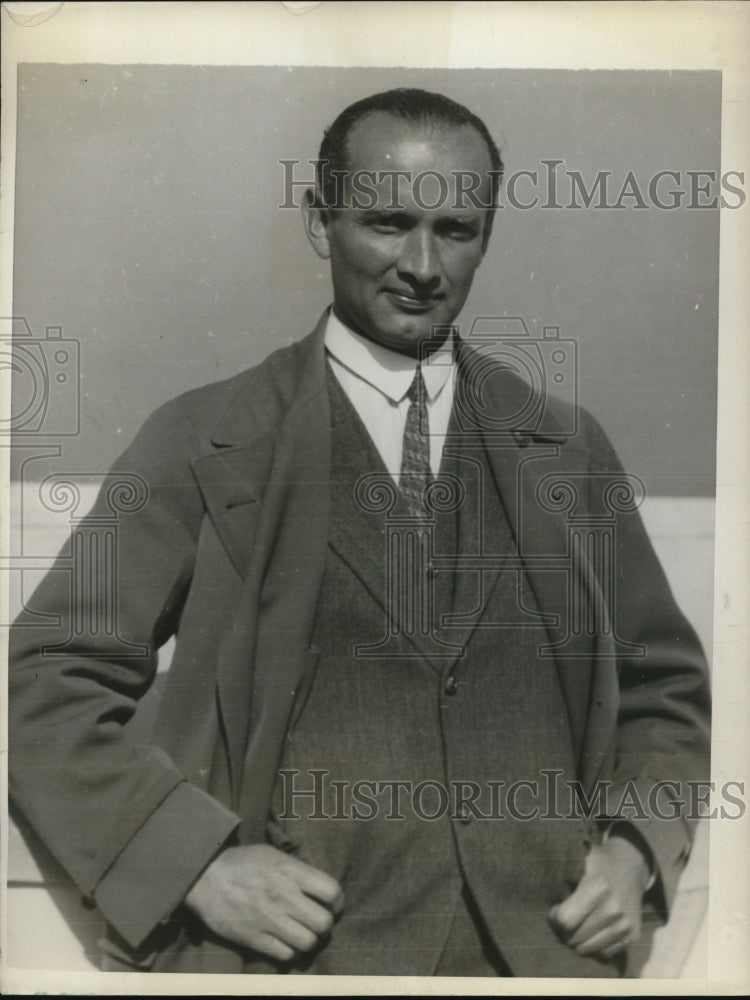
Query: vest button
{"type": "Point", "coordinates": [464, 816]}
{"type": "Point", "coordinates": [451, 685]}
{"type": "Point", "coordinates": [522, 438]}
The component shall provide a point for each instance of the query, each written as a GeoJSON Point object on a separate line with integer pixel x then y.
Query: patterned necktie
{"type": "Point", "coordinates": [415, 459]}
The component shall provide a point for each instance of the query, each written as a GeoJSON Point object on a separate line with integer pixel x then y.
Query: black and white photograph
{"type": "Point", "coordinates": [373, 450]}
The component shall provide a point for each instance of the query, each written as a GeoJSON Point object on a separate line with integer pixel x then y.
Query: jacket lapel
{"type": "Point", "coordinates": [371, 538]}
{"type": "Point", "coordinates": [356, 533]}
{"type": "Point", "coordinates": [482, 540]}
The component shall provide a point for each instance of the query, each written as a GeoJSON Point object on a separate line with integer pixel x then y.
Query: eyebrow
{"type": "Point", "coordinates": [405, 213]}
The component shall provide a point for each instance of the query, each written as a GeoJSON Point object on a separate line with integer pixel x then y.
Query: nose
{"type": "Point", "coordinates": [418, 261]}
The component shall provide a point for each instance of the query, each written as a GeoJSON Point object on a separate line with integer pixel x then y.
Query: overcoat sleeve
{"type": "Point", "coordinates": [120, 817]}
{"type": "Point", "coordinates": [661, 742]}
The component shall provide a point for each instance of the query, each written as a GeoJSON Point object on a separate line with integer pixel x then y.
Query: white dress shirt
{"type": "Point", "coordinates": [377, 381]}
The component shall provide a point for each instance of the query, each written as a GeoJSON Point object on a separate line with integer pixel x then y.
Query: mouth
{"type": "Point", "coordinates": [411, 302]}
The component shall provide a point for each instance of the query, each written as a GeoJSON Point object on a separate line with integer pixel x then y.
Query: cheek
{"type": "Point", "coordinates": [360, 254]}
{"type": "Point", "coordinates": [461, 269]}
{"type": "Point", "coordinates": [358, 264]}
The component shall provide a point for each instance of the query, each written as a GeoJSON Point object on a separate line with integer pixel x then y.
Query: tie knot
{"type": "Point", "coordinates": [416, 390]}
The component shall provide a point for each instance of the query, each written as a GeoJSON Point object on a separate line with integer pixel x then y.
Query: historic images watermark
{"type": "Point", "coordinates": [549, 185]}
{"type": "Point", "coordinates": [539, 797]}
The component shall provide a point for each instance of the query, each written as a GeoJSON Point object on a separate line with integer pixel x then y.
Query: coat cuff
{"type": "Point", "coordinates": [668, 839]}
{"type": "Point", "coordinates": [156, 870]}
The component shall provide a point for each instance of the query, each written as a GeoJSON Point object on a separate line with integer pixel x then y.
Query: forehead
{"type": "Point", "coordinates": [383, 142]}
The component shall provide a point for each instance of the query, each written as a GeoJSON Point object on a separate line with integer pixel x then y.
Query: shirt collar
{"type": "Point", "coordinates": [388, 371]}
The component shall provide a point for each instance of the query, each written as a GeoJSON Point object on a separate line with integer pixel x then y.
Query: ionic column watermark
{"type": "Point", "coordinates": [592, 549]}
{"type": "Point", "coordinates": [409, 558]}
{"type": "Point", "coordinates": [93, 562]}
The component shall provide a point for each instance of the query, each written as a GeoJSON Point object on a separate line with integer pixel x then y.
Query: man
{"type": "Point", "coordinates": [361, 548]}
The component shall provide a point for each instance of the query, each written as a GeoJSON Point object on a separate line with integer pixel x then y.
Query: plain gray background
{"type": "Point", "coordinates": [148, 228]}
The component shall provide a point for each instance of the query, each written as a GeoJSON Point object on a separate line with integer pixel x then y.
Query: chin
{"type": "Point", "coordinates": [406, 340]}
{"type": "Point", "coordinates": [413, 328]}
{"type": "Point", "coordinates": [400, 333]}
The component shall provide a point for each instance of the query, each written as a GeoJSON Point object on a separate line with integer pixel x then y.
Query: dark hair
{"type": "Point", "coordinates": [419, 107]}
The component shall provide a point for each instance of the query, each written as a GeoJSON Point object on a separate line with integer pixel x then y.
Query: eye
{"type": "Point", "coordinates": [462, 231]}
{"type": "Point", "coordinates": [388, 222]}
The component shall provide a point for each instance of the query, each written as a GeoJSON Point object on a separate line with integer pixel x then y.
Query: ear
{"type": "Point", "coordinates": [317, 220]}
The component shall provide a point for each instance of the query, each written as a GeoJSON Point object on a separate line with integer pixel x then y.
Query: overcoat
{"type": "Point", "coordinates": [224, 548]}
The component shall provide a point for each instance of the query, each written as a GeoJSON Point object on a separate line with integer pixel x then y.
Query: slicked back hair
{"type": "Point", "coordinates": [418, 107]}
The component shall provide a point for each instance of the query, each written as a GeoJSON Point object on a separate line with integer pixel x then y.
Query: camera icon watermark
{"type": "Point", "coordinates": [45, 380]}
{"type": "Point", "coordinates": [547, 372]}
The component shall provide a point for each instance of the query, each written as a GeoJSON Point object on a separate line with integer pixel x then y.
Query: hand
{"type": "Point", "coordinates": [603, 915]}
{"type": "Point", "coordinates": [266, 900]}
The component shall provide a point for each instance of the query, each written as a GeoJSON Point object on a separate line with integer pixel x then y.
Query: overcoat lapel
{"type": "Point", "coordinates": [520, 459]}
{"type": "Point", "coordinates": [267, 493]}
{"type": "Point", "coordinates": [541, 539]}
{"type": "Point", "coordinates": [292, 547]}
{"type": "Point", "coordinates": [233, 483]}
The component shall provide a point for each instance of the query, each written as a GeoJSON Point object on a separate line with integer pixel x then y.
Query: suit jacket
{"type": "Point", "coordinates": [228, 554]}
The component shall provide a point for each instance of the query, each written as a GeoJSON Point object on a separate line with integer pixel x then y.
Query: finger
{"type": "Point", "coordinates": [268, 945]}
{"type": "Point", "coordinates": [614, 950]}
{"type": "Point", "coordinates": [590, 893]}
{"type": "Point", "coordinates": [317, 918]}
{"type": "Point", "coordinates": [604, 916]}
{"type": "Point", "coordinates": [294, 934]}
{"type": "Point", "coordinates": [317, 884]}
{"type": "Point", "coordinates": [611, 939]}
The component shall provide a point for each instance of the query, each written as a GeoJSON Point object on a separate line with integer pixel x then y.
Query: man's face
{"type": "Point", "coordinates": [397, 271]}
